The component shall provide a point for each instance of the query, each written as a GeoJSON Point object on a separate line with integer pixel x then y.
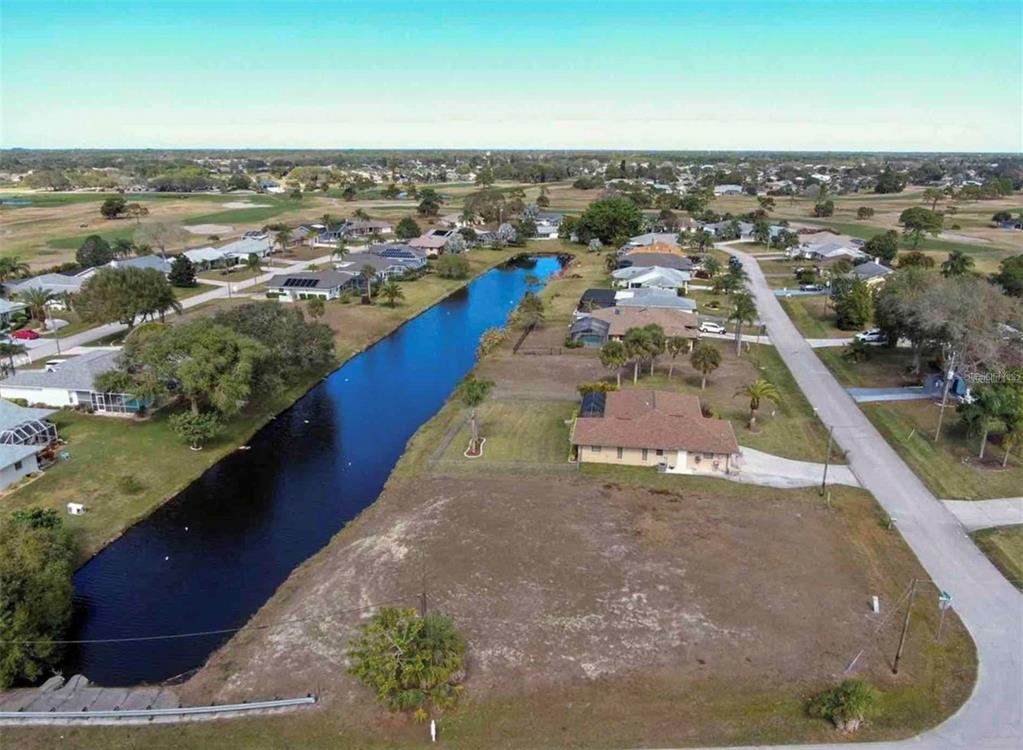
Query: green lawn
{"type": "Point", "coordinates": [241, 273]}
{"type": "Point", "coordinates": [886, 368]}
{"type": "Point", "coordinates": [949, 468]}
{"type": "Point", "coordinates": [75, 241]}
{"type": "Point", "coordinates": [266, 208]}
{"type": "Point", "coordinates": [813, 317]}
{"type": "Point", "coordinates": [1004, 547]}
{"type": "Point", "coordinates": [190, 291]}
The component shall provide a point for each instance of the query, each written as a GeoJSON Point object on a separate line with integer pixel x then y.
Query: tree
{"type": "Point", "coordinates": [123, 248]}
{"type": "Point", "coordinates": [506, 235]}
{"type": "Point", "coordinates": [94, 251]}
{"type": "Point", "coordinates": [530, 312]}
{"type": "Point", "coordinates": [136, 211]}
{"type": "Point", "coordinates": [824, 208]}
{"type": "Point", "coordinates": [613, 356]}
{"type": "Point", "coordinates": [182, 273]}
{"type": "Point", "coordinates": [993, 407]}
{"type": "Point", "coordinates": [315, 306]}
{"type": "Point", "coordinates": [766, 203]}
{"type": "Point", "coordinates": [915, 259]}
{"type": "Point", "coordinates": [392, 292]}
{"type": "Point", "coordinates": [701, 240]}
{"type": "Point", "coordinates": [472, 393]}
{"type": "Point", "coordinates": [932, 196]}
{"type": "Point", "coordinates": [340, 250]}
{"type": "Point", "coordinates": [639, 342]}
{"type": "Point", "coordinates": [429, 202]}
{"type": "Point", "coordinates": [744, 311]}
{"type": "Point", "coordinates": [123, 295]}
{"type": "Point", "coordinates": [957, 264]}
{"type": "Point", "coordinates": [757, 392]}
{"type": "Point", "coordinates": [36, 299]}
{"type": "Point", "coordinates": [609, 218]}
{"type": "Point", "coordinates": [204, 362]}
{"type": "Point", "coordinates": [761, 233]}
{"type": "Point", "coordinates": [160, 235]}
{"type": "Point", "coordinates": [349, 193]}
{"type": "Point", "coordinates": [367, 274]}
{"type": "Point", "coordinates": [918, 221]}
{"type": "Point", "coordinates": [411, 663]}
{"type": "Point", "coordinates": [674, 345]}
{"type": "Point", "coordinates": [407, 229]}
{"type": "Point", "coordinates": [253, 263]}
{"type": "Point", "coordinates": [453, 267]}
{"type": "Point", "coordinates": [113, 207]}
{"type": "Point", "coordinates": [455, 244]}
{"type": "Point", "coordinates": [894, 309]}
{"type": "Point", "coordinates": [282, 238]}
{"type": "Point", "coordinates": [864, 212]}
{"type": "Point", "coordinates": [889, 181]}
{"type": "Point", "coordinates": [195, 429]}
{"type": "Point", "coordinates": [35, 593]}
{"type": "Point", "coordinates": [1010, 276]}
{"type": "Point", "coordinates": [883, 246]}
{"type": "Point", "coordinates": [854, 304]}
{"type": "Point", "coordinates": [712, 266]}
{"type": "Point", "coordinates": [656, 343]}
{"type": "Point", "coordinates": [705, 359]}
{"type": "Point", "coordinates": [12, 267]}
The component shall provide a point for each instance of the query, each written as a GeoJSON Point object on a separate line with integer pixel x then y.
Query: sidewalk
{"type": "Point", "coordinates": [985, 514]}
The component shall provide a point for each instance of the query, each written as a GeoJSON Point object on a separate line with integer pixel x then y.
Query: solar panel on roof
{"type": "Point", "coordinates": [300, 283]}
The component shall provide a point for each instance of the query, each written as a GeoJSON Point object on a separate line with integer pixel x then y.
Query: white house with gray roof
{"type": "Point", "coordinates": [325, 285]}
{"type": "Point", "coordinates": [24, 433]}
{"type": "Point", "coordinates": [652, 277]}
{"type": "Point", "coordinates": [653, 299]}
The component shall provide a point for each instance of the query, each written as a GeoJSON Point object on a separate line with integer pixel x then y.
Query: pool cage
{"type": "Point", "coordinates": [31, 432]}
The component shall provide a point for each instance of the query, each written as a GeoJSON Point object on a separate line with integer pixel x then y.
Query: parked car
{"type": "Point", "coordinates": [873, 336]}
{"type": "Point", "coordinates": [811, 287]}
{"type": "Point", "coordinates": [25, 335]}
{"type": "Point", "coordinates": [708, 326]}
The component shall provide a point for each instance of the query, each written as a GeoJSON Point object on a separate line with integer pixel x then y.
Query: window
{"type": "Point", "coordinates": [645, 451]}
{"type": "Point", "coordinates": [620, 452]}
{"type": "Point", "coordinates": [708, 455]}
{"type": "Point", "coordinates": [17, 465]}
{"type": "Point", "coordinates": [595, 449]}
{"type": "Point", "coordinates": [660, 451]}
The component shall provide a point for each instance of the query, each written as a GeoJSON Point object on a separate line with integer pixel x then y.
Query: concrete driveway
{"type": "Point", "coordinates": [985, 514]}
{"type": "Point", "coordinates": [989, 606]}
{"type": "Point", "coordinates": [768, 470]}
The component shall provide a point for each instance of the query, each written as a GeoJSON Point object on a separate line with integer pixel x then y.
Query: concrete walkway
{"type": "Point", "coordinates": [990, 607]}
{"type": "Point", "coordinates": [985, 514]}
{"type": "Point", "coordinates": [768, 470]}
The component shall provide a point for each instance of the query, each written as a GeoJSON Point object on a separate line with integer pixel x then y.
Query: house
{"type": "Point", "coordinates": [651, 277]}
{"type": "Point", "coordinates": [548, 217]}
{"type": "Point", "coordinates": [653, 298]}
{"type": "Point", "coordinates": [241, 249]}
{"type": "Point", "coordinates": [9, 309]}
{"type": "Point", "coordinates": [728, 190]}
{"type": "Point", "coordinates": [27, 441]}
{"type": "Point", "coordinates": [656, 248]}
{"type": "Point", "coordinates": [205, 258]}
{"type": "Point", "coordinates": [653, 428]}
{"type": "Point", "coordinates": [330, 237]}
{"type": "Point", "coordinates": [719, 228]}
{"type": "Point", "coordinates": [663, 260]}
{"type": "Point", "coordinates": [433, 241]}
{"type": "Point", "coordinates": [601, 325]}
{"type": "Point", "coordinates": [142, 261]}
{"type": "Point", "coordinates": [326, 285]}
{"type": "Point", "coordinates": [71, 382]}
{"type": "Point", "coordinates": [384, 266]}
{"type": "Point", "coordinates": [368, 227]}
{"type": "Point", "coordinates": [546, 231]}
{"type": "Point", "coordinates": [595, 299]}
{"type": "Point", "coordinates": [270, 186]}
{"type": "Point", "coordinates": [827, 246]}
{"type": "Point", "coordinates": [650, 238]}
{"type": "Point", "coordinates": [54, 283]}
{"type": "Point", "coordinates": [871, 273]}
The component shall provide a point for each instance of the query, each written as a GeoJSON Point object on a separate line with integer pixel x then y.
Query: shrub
{"type": "Point", "coordinates": [846, 706]}
{"type": "Point", "coordinates": [571, 343]}
{"type": "Point", "coordinates": [491, 339]}
{"type": "Point", "coordinates": [129, 484]}
{"type": "Point", "coordinates": [195, 429]}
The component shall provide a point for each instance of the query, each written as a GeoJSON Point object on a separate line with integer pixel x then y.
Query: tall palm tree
{"type": "Point", "coordinates": [705, 359]}
{"type": "Point", "coordinates": [614, 356]}
{"type": "Point", "coordinates": [282, 237]}
{"type": "Point", "coordinates": [36, 300]}
{"type": "Point", "coordinates": [712, 266]}
{"type": "Point", "coordinates": [958, 264]}
{"type": "Point", "coordinates": [656, 343]}
{"type": "Point", "coordinates": [1013, 437]}
{"type": "Point", "coordinates": [757, 392]}
{"type": "Point", "coordinates": [637, 342]}
{"type": "Point", "coordinates": [12, 267]}
{"type": "Point", "coordinates": [985, 413]}
{"type": "Point", "coordinates": [674, 345]}
{"type": "Point", "coordinates": [473, 392]}
{"type": "Point", "coordinates": [340, 250]}
{"type": "Point", "coordinates": [392, 292]}
{"type": "Point", "coordinates": [253, 263]}
{"type": "Point", "coordinates": [9, 350]}
{"type": "Point", "coordinates": [744, 311]}
{"type": "Point", "coordinates": [367, 273]}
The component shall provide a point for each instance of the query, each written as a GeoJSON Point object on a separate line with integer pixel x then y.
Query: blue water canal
{"type": "Point", "coordinates": [211, 557]}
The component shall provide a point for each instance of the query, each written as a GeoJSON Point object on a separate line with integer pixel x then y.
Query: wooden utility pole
{"type": "Point", "coordinates": [949, 374]}
{"type": "Point", "coordinates": [827, 460]}
{"type": "Point", "coordinates": [905, 628]}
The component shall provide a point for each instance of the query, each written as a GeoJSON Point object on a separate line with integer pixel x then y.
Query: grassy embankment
{"type": "Point", "coordinates": [1004, 547]}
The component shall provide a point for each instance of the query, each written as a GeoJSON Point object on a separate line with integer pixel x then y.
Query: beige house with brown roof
{"type": "Point", "coordinates": [674, 322]}
{"type": "Point", "coordinates": [653, 428]}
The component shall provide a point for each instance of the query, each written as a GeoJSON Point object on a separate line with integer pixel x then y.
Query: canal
{"type": "Point", "coordinates": [209, 558]}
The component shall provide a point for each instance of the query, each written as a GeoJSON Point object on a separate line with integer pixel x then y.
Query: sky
{"type": "Point", "coordinates": [890, 75]}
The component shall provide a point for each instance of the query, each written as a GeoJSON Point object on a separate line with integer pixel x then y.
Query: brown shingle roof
{"type": "Point", "coordinates": [674, 322]}
{"type": "Point", "coordinates": [655, 419]}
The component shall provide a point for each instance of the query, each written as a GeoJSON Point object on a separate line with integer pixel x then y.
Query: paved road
{"type": "Point", "coordinates": [985, 514]}
{"type": "Point", "coordinates": [44, 349]}
{"type": "Point", "coordinates": [990, 607]}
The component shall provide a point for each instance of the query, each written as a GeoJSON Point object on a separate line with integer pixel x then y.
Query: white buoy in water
{"type": "Point", "coordinates": [166, 558]}
{"type": "Point", "coordinates": [186, 528]}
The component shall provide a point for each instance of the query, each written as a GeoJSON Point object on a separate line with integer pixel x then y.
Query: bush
{"type": "Point", "coordinates": [571, 343]}
{"type": "Point", "coordinates": [129, 484]}
{"type": "Point", "coordinates": [452, 267]}
{"type": "Point", "coordinates": [846, 706]}
{"type": "Point", "coordinates": [195, 429]}
{"type": "Point", "coordinates": [428, 673]}
{"type": "Point", "coordinates": [491, 339]}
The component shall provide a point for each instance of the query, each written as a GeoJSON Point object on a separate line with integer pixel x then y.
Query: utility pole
{"type": "Point", "coordinates": [827, 459]}
{"type": "Point", "coordinates": [949, 374]}
{"type": "Point", "coordinates": [905, 628]}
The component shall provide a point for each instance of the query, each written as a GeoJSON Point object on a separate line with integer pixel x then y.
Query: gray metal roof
{"type": "Point", "coordinates": [11, 415]}
{"type": "Point", "coordinates": [322, 279]}
{"type": "Point", "coordinates": [10, 454]}
{"type": "Point", "coordinates": [76, 374]}
{"type": "Point", "coordinates": [653, 298]}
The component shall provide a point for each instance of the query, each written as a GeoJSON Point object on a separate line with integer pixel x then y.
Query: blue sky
{"type": "Point", "coordinates": [815, 74]}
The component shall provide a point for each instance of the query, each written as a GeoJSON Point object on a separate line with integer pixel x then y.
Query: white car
{"type": "Point", "coordinates": [711, 327]}
{"type": "Point", "coordinates": [873, 336]}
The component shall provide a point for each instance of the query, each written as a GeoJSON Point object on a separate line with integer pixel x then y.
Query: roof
{"type": "Point", "coordinates": [597, 298]}
{"type": "Point", "coordinates": [53, 282]}
{"type": "Point", "coordinates": [653, 298]}
{"type": "Point", "coordinates": [6, 306]}
{"type": "Point", "coordinates": [870, 270]}
{"type": "Point", "coordinates": [12, 453]}
{"type": "Point", "coordinates": [399, 251]}
{"type": "Point", "coordinates": [247, 246]}
{"type": "Point", "coordinates": [589, 324]}
{"type": "Point", "coordinates": [206, 254]}
{"type": "Point", "coordinates": [655, 419]}
{"type": "Point", "coordinates": [642, 240]}
{"type": "Point", "coordinates": [664, 260]}
{"type": "Point", "coordinates": [646, 274]}
{"type": "Point", "coordinates": [434, 239]}
{"type": "Point", "coordinates": [674, 322]}
{"type": "Point", "coordinates": [142, 261]}
{"type": "Point", "coordinates": [74, 374]}
{"type": "Point", "coordinates": [11, 415]}
{"type": "Point", "coordinates": [311, 280]}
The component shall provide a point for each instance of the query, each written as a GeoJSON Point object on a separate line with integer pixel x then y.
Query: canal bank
{"type": "Point", "coordinates": [212, 556]}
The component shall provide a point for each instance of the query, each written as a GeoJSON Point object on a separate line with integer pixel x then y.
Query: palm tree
{"type": "Point", "coordinates": [712, 266]}
{"type": "Point", "coordinates": [674, 345]}
{"type": "Point", "coordinates": [473, 392]}
{"type": "Point", "coordinates": [614, 356]}
{"type": "Point", "coordinates": [12, 267]}
{"type": "Point", "coordinates": [123, 248]}
{"type": "Point", "coordinates": [983, 414]}
{"type": "Point", "coordinates": [361, 214]}
{"type": "Point", "coordinates": [1012, 438]}
{"type": "Point", "coordinates": [340, 250]}
{"type": "Point", "coordinates": [253, 263]}
{"type": "Point", "coordinates": [701, 240]}
{"type": "Point", "coordinates": [705, 359]}
{"type": "Point", "coordinates": [283, 238]}
{"type": "Point", "coordinates": [637, 342]}
{"type": "Point", "coordinates": [367, 273]}
{"type": "Point", "coordinates": [36, 300]}
{"type": "Point", "coordinates": [655, 343]}
{"type": "Point", "coordinates": [530, 312]}
{"type": "Point", "coordinates": [958, 264]}
{"type": "Point", "coordinates": [756, 392]}
{"type": "Point", "coordinates": [744, 310]}
{"type": "Point", "coordinates": [610, 262]}
{"type": "Point", "coordinates": [9, 350]}
{"type": "Point", "coordinates": [392, 292]}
